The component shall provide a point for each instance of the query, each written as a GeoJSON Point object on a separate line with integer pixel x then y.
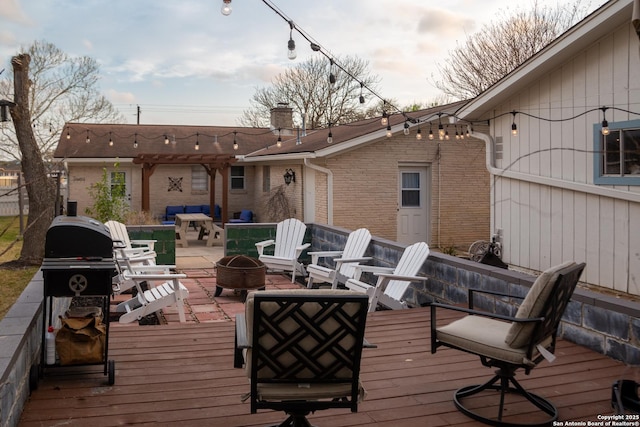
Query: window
{"type": "Point", "coordinates": [617, 159]}
{"type": "Point", "coordinates": [237, 178]}
{"type": "Point", "coordinates": [118, 184]}
{"type": "Point", "coordinates": [410, 189]}
{"type": "Point", "coordinates": [199, 178]}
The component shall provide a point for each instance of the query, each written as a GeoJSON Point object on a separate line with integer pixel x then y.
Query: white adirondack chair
{"type": "Point", "coordinates": [287, 248]}
{"type": "Point", "coordinates": [346, 260]}
{"type": "Point", "coordinates": [169, 292]}
{"type": "Point", "coordinates": [392, 282]}
{"type": "Point", "coordinates": [123, 245]}
{"type": "Point", "coordinates": [136, 266]}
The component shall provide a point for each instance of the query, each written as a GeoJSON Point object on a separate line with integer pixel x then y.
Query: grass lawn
{"type": "Point", "coordinates": [14, 280]}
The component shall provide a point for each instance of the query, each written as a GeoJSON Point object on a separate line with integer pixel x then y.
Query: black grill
{"type": "Point", "coordinates": [78, 258]}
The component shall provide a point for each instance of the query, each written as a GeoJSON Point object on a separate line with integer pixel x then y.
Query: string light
{"type": "Point", "coordinates": [384, 120]}
{"type": "Point", "coordinates": [135, 140]}
{"type": "Point", "coordinates": [457, 134]}
{"type": "Point", "coordinates": [605, 123]}
{"type": "Point", "coordinates": [279, 141]}
{"type": "Point", "coordinates": [514, 127]}
{"type": "Point", "coordinates": [330, 137]}
{"type": "Point", "coordinates": [430, 132]}
{"type": "Point", "coordinates": [88, 140]}
{"type": "Point", "coordinates": [419, 135]}
{"type": "Point", "coordinates": [332, 77]}
{"type": "Point", "coordinates": [389, 133]}
{"type": "Point", "coordinates": [446, 134]}
{"type": "Point", "coordinates": [110, 140]}
{"type": "Point", "coordinates": [361, 95]}
{"type": "Point", "coordinates": [197, 147]}
{"type": "Point", "coordinates": [235, 143]}
{"type": "Point", "coordinates": [291, 46]}
{"type": "Point", "coordinates": [166, 140]}
{"type": "Point", "coordinates": [406, 128]}
{"type": "Point", "coordinates": [68, 134]}
{"type": "Point", "coordinates": [226, 7]}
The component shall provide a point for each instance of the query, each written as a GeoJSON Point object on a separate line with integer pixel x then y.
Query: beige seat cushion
{"type": "Point", "coordinates": [307, 391]}
{"type": "Point", "coordinates": [531, 307]}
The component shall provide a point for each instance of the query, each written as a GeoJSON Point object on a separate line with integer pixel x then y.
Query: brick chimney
{"type": "Point", "coordinates": [282, 118]}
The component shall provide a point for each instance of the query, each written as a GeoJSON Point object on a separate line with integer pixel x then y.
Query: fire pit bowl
{"type": "Point", "coordinates": [239, 272]}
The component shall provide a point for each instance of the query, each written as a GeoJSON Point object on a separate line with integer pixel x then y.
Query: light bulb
{"type": "Point", "coordinates": [110, 142]}
{"type": "Point", "coordinates": [226, 7]}
{"type": "Point", "coordinates": [384, 120]}
{"type": "Point", "coordinates": [406, 128]}
{"type": "Point", "coordinates": [279, 142]}
{"type": "Point", "coordinates": [419, 135]}
{"type": "Point", "coordinates": [605, 127]}
{"type": "Point", "coordinates": [68, 134]}
{"type": "Point", "coordinates": [235, 145]}
{"type": "Point", "coordinates": [430, 135]}
{"type": "Point", "coordinates": [514, 129]}
{"type": "Point", "coordinates": [291, 53]}
{"type": "Point", "coordinates": [166, 140]}
{"type": "Point", "coordinates": [389, 133]}
{"type": "Point", "coordinates": [330, 138]}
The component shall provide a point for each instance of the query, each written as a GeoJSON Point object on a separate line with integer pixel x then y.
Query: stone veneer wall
{"type": "Point", "coordinates": [604, 323]}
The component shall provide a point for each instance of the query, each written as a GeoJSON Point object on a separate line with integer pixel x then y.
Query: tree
{"type": "Point", "coordinates": [40, 188]}
{"type": "Point", "coordinates": [501, 46]}
{"type": "Point", "coordinates": [109, 197]}
{"type": "Point", "coordinates": [62, 89]}
{"type": "Point", "coordinates": [306, 89]}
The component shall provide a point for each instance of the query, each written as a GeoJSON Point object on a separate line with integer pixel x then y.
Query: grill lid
{"type": "Point", "coordinates": [78, 237]}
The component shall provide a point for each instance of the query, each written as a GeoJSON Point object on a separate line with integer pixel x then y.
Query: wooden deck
{"type": "Point", "coordinates": [183, 375]}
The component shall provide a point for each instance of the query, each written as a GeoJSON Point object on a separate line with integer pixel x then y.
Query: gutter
{"type": "Point", "coordinates": [329, 174]}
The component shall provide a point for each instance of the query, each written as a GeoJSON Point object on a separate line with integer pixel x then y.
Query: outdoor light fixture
{"type": "Point", "coordinates": [68, 134]}
{"type": "Point", "coordinates": [514, 127]}
{"type": "Point", "coordinates": [289, 176]}
{"type": "Point", "coordinates": [279, 141]}
{"type": "Point", "coordinates": [4, 110]}
{"type": "Point", "coordinates": [110, 140]}
{"type": "Point", "coordinates": [226, 7]}
{"type": "Point", "coordinates": [406, 128]}
{"type": "Point", "coordinates": [430, 132]}
{"type": "Point", "coordinates": [88, 140]}
{"type": "Point", "coordinates": [166, 140]}
{"type": "Point", "coordinates": [330, 138]}
{"type": "Point", "coordinates": [384, 119]}
{"type": "Point", "coordinates": [389, 133]}
{"type": "Point", "coordinates": [291, 54]}
{"type": "Point", "coordinates": [419, 135]}
{"type": "Point", "coordinates": [235, 143]}
{"type": "Point", "coordinates": [361, 95]}
{"type": "Point", "coordinates": [605, 123]}
{"type": "Point", "coordinates": [197, 147]}
{"type": "Point", "coordinates": [135, 140]}
{"type": "Point", "coordinates": [446, 134]}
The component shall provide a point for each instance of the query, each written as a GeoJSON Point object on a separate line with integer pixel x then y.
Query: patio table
{"type": "Point", "coordinates": [201, 220]}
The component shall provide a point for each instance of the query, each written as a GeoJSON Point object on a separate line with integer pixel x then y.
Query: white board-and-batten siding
{"type": "Point", "coordinates": [542, 225]}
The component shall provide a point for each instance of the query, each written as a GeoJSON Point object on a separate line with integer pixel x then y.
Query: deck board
{"type": "Point", "coordinates": [183, 375]}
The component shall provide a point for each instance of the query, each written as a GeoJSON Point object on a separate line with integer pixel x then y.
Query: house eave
{"type": "Point", "coordinates": [69, 160]}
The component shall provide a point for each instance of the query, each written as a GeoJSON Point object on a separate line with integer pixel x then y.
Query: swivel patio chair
{"type": "Point", "coordinates": [287, 248]}
{"type": "Point", "coordinates": [509, 343]}
{"type": "Point", "coordinates": [345, 260]}
{"type": "Point", "coordinates": [392, 283]}
{"type": "Point", "coordinates": [302, 349]}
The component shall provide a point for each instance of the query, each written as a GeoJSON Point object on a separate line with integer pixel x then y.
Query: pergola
{"type": "Point", "coordinates": [211, 162]}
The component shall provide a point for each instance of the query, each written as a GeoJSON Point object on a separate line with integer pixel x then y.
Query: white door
{"type": "Point", "coordinates": [413, 217]}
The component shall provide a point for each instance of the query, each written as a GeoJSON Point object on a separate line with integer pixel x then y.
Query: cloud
{"type": "Point", "coordinates": [12, 11]}
{"type": "Point", "coordinates": [120, 97]}
{"type": "Point", "coordinates": [438, 22]}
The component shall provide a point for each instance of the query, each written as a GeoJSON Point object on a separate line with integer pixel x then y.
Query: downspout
{"type": "Point", "coordinates": [329, 187]}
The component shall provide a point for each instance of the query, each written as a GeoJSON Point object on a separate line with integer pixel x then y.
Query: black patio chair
{"type": "Point", "coordinates": [509, 343]}
{"type": "Point", "coordinates": [302, 350]}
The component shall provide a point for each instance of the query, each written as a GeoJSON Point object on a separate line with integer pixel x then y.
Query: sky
{"type": "Point", "coordinates": [183, 62]}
